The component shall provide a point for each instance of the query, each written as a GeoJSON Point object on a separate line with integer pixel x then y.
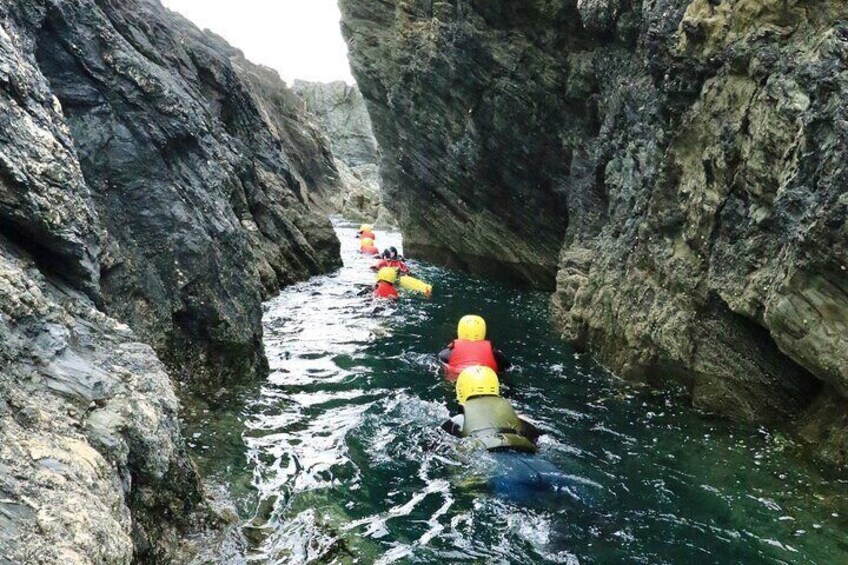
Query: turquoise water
{"type": "Point", "coordinates": [337, 457]}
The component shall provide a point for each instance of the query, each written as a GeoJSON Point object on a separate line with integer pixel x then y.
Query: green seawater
{"type": "Point", "coordinates": [338, 456]}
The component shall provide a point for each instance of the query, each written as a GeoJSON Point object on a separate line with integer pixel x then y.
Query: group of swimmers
{"type": "Point", "coordinates": [471, 361]}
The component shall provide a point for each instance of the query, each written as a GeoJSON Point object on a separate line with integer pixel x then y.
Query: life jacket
{"type": "Point", "coordinates": [385, 290]}
{"type": "Point", "coordinates": [492, 421]}
{"type": "Point", "coordinates": [372, 250]}
{"type": "Point", "coordinates": [367, 235]}
{"type": "Point", "coordinates": [399, 265]}
{"type": "Point", "coordinates": [466, 354]}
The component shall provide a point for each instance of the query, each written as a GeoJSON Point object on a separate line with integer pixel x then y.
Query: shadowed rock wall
{"type": "Point", "coordinates": [683, 159]}
{"type": "Point", "coordinates": [154, 188]}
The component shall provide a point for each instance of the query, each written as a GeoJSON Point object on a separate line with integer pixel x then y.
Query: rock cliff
{"type": "Point", "coordinates": [154, 187]}
{"type": "Point", "coordinates": [343, 117]}
{"type": "Point", "coordinates": [679, 164]}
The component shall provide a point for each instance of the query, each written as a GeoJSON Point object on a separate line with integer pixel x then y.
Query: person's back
{"type": "Point", "coordinates": [492, 421]}
{"type": "Point", "coordinates": [471, 348]}
{"type": "Point", "coordinates": [367, 247]}
{"type": "Point", "coordinates": [385, 290]}
{"type": "Point", "coordinates": [467, 353]}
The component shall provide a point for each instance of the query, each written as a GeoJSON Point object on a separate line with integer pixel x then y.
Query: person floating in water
{"type": "Point", "coordinates": [367, 247]}
{"type": "Point", "coordinates": [488, 418]}
{"type": "Point", "coordinates": [503, 444]}
{"type": "Point", "coordinates": [385, 287]}
{"type": "Point", "coordinates": [471, 348]}
{"type": "Point", "coordinates": [366, 231]}
{"type": "Point", "coordinates": [391, 258]}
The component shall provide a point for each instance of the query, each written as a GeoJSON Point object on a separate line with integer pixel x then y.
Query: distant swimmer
{"type": "Point", "coordinates": [366, 231]}
{"type": "Point", "coordinates": [367, 247]}
{"type": "Point", "coordinates": [471, 348]}
{"type": "Point", "coordinates": [391, 258]}
{"type": "Point", "coordinates": [386, 280]}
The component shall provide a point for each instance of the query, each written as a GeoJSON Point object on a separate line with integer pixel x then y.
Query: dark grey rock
{"type": "Point", "coordinates": [679, 164]}
{"type": "Point", "coordinates": [154, 187]}
{"type": "Point", "coordinates": [196, 172]}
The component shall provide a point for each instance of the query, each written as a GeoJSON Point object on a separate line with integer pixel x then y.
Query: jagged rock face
{"type": "Point", "coordinates": [154, 186]}
{"type": "Point", "coordinates": [343, 117]}
{"type": "Point", "coordinates": [199, 173]}
{"type": "Point", "coordinates": [696, 153]}
{"type": "Point", "coordinates": [92, 465]}
{"type": "Point", "coordinates": [470, 106]}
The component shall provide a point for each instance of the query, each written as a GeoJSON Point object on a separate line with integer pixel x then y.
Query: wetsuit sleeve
{"type": "Point", "coordinates": [444, 355]}
{"type": "Point", "coordinates": [454, 425]}
{"type": "Point", "coordinates": [530, 431]}
{"type": "Point", "coordinates": [503, 361]}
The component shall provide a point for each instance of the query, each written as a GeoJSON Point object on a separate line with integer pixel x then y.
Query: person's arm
{"type": "Point", "coordinates": [454, 425]}
{"type": "Point", "coordinates": [445, 355]}
{"type": "Point", "coordinates": [530, 431]}
{"type": "Point", "coordinates": [503, 361]}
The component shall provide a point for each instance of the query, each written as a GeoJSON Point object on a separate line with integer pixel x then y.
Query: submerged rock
{"type": "Point", "coordinates": [679, 164]}
{"type": "Point", "coordinates": [154, 187]}
{"type": "Point", "coordinates": [341, 113]}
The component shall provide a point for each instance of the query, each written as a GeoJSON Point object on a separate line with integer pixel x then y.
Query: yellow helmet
{"type": "Point", "coordinates": [471, 328]}
{"type": "Point", "coordinates": [367, 242]}
{"type": "Point", "coordinates": [366, 227]}
{"type": "Point", "coordinates": [387, 274]}
{"type": "Point", "coordinates": [477, 381]}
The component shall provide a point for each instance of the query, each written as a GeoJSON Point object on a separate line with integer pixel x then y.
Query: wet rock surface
{"type": "Point", "coordinates": [465, 100]}
{"type": "Point", "coordinates": [684, 160]}
{"type": "Point", "coordinates": [199, 176]}
{"type": "Point", "coordinates": [154, 187]}
{"type": "Point", "coordinates": [343, 117]}
{"type": "Point", "coordinates": [92, 465]}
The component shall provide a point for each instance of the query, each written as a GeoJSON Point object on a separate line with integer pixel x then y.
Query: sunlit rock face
{"type": "Point", "coordinates": [680, 165]}
{"type": "Point", "coordinates": [154, 187]}
{"type": "Point", "coordinates": [342, 117]}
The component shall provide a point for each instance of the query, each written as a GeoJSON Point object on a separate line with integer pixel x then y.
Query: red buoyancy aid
{"type": "Point", "coordinates": [372, 250]}
{"type": "Point", "coordinates": [385, 290]}
{"type": "Point", "coordinates": [399, 265]}
{"type": "Point", "coordinates": [466, 354]}
{"type": "Point", "coordinates": [367, 235]}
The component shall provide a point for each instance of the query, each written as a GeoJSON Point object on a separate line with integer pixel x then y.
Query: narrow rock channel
{"type": "Point", "coordinates": [345, 461]}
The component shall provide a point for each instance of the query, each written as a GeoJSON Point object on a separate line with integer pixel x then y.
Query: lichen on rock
{"type": "Point", "coordinates": [342, 117]}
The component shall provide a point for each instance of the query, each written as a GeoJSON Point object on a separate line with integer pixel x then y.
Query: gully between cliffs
{"type": "Point", "coordinates": [675, 167]}
{"type": "Point", "coordinates": [338, 455]}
